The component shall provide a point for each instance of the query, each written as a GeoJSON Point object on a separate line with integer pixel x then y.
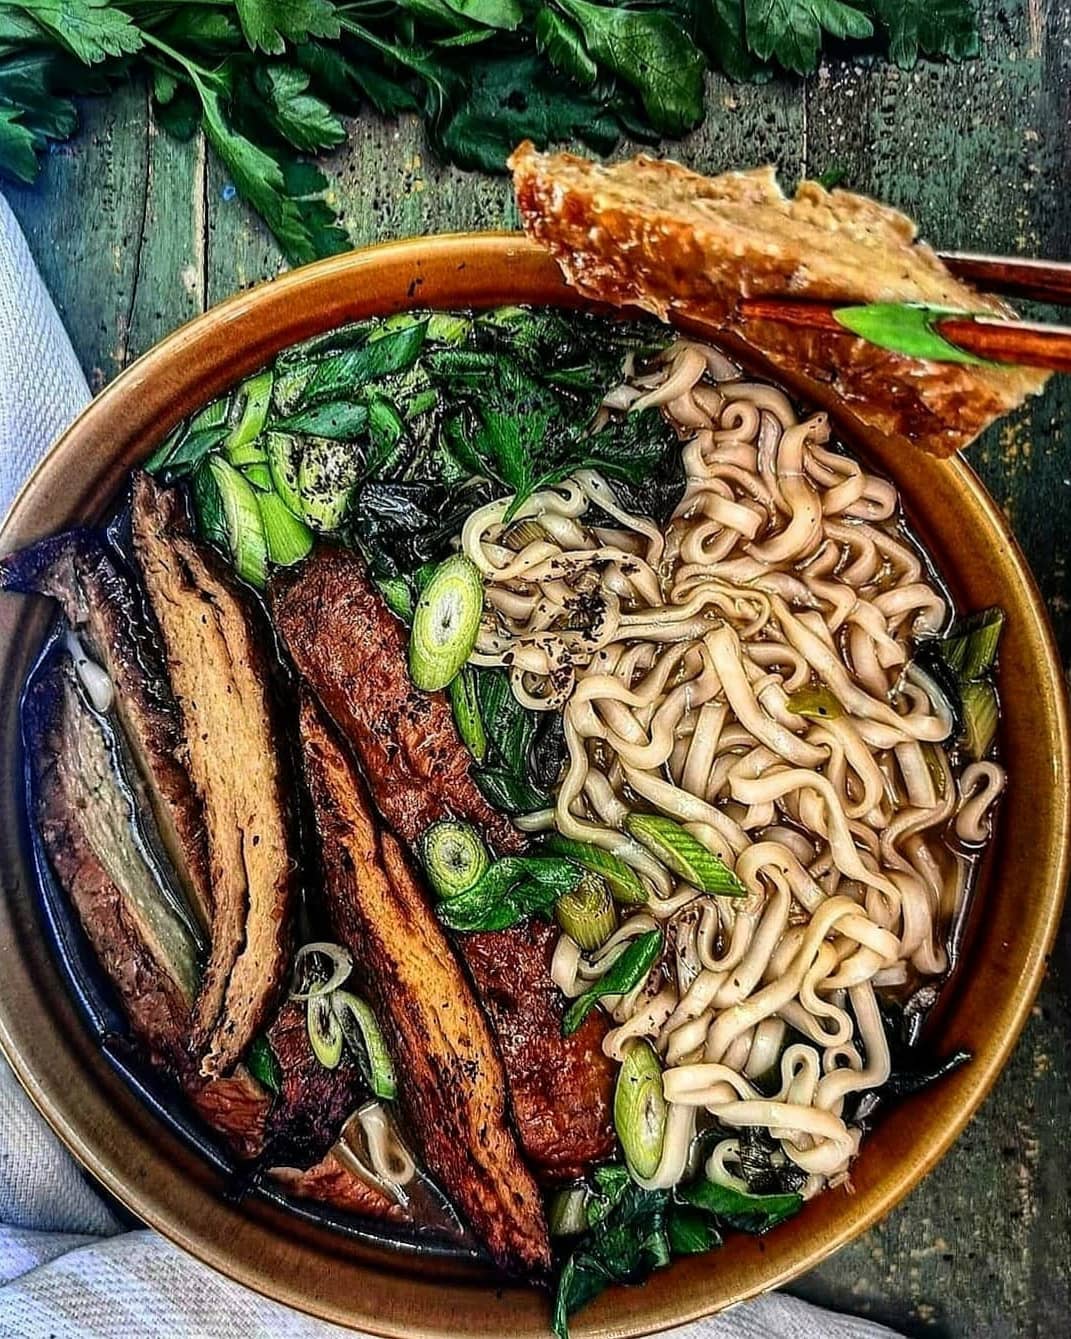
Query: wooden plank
{"type": "Point", "coordinates": [980, 155]}
{"type": "Point", "coordinates": [84, 221]}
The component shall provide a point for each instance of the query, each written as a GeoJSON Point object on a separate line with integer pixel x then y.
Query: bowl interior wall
{"type": "Point", "coordinates": [354, 1282]}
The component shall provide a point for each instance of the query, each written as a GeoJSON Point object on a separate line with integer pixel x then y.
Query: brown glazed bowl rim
{"type": "Point", "coordinates": [353, 1283]}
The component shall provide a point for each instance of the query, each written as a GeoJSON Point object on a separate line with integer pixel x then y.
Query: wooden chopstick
{"type": "Point", "coordinates": [1023, 343]}
{"type": "Point", "coordinates": [1039, 280]}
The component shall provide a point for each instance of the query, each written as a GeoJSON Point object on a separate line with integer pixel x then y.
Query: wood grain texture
{"type": "Point", "coordinates": [134, 235]}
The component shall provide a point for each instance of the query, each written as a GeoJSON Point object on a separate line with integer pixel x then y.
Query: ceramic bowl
{"type": "Point", "coordinates": [161, 1179]}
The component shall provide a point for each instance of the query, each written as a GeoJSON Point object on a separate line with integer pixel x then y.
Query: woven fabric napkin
{"type": "Point", "coordinates": [68, 1268]}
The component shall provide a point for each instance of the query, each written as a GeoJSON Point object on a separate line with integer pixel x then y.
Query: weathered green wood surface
{"type": "Point", "coordinates": [134, 235]}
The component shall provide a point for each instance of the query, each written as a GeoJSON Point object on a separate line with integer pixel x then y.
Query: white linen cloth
{"type": "Point", "coordinates": [68, 1268]}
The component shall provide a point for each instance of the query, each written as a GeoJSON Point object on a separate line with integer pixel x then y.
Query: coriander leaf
{"type": "Point", "coordinates": [304, 120]}
{"type": "Point", "coordinates": [510, 890]}
{"type": "Point", "coordinates": [937, 27]}
{"type": "Point", "coordinates": [627, 971]}
{"type": "Point", "coordinates": [270, 24]}
{"type": "Point", "coordinates": [345, 83]}
{"type": "Point", "coordinates": [200, 26]}
{"type": "Point", "coordinates": [738, 1209]}
{"type": "Point", "coordinates": [92, 30]}
{"type": "Point", "coordinates": [563, 46]}
{"type": "Point", "coordinates": [720, 32]}
{"type": "Point", "coordinates": [790, 31]}
{"type": "Point", "coordinates": [179, 113]}
{"type": "Point", "coordinates": [651, 51]}
{"type": "Point", "coordinates": [17, 156]}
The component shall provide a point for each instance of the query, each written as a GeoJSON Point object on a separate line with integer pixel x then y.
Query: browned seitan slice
{"type": "Point", "coordinates": [216, 649]}
{"type": "Point", "coordinates": [102, 857]}
{"type": "Point", "coordinates": [649, 233]}
{"type": "Point", "coordinates": [105, 607]}
{"type": "Point", "coordinates": [452, 1082]}
{"type": "Point", "coordinates": [88, 826]}
{"type": "Point", "coordinates": [351, 650]}
{"type": "Point", "coordinates": [330, 1182]}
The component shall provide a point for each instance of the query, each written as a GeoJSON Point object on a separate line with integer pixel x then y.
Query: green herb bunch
{"type": "Point", "coordinates": [268, 81]}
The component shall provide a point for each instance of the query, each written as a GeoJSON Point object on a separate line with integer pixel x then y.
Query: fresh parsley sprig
{"type": "Point", "coordinates": [269, 80]}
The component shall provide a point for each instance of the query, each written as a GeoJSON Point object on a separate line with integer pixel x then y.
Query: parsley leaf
{"type": "Point", "coordinates": [304, 120]}
{"type": "Point", "coordinates": [17, 156]}
{"type": "Point", "coordinates": [790, 31]}
{"type": "Point", "coordinates": [514, 98]}
{"type": "Point", "coordinates": [285, 194]}
{"type": "Point", "coordinates": [269, 24]}
{"type": "Point", "coordinates": [648, 49]}
{"type": "Point", "coordinates": [720, 32]}
{"type": "Point", "coordinates": [92, 30]}
{"type": "Point", "coordinates": [563, 46]}
{"type": "Point", "coordinates": [937, 27]}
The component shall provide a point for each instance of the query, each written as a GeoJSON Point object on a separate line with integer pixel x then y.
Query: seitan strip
{"type": "Point", "coordinates": [237, 758]}
{"type": "Point", "coordinates": [452, 1083]}
{"type": "Point", "coordinates": [649, 233]}
{"type": "Point", "coordinates": [107, 610]}
{"type": "Point", "coordinates": [351, 651]}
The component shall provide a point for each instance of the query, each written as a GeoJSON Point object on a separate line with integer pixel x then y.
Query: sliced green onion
{"type": "Point", "coordinates": [213, 415]}
{"type": "Point", "coordinates": [421, 402]}
{"type": "Point", "coordinates": [208, 506]}
{"type": "Point", "coordinates": [567, 1211]}
{"type": "Point", "coordinates": [817, 704]}
{"type": "Point", "coordinates": [398, 596]}
{"type": "Point", "coordinates": [467, 716]}
{"type": "Point", "coordinates": [628, 971]}
{"type": "Point", "coordinates": [341, 966]}
{"type": "Point", "coordinates": [679, 851]}
{"type": "Point", "coordinates": [971, 647]}
{"type": "Point", "coordinates": [981, 711]}
{"type": "Point", "coordinates": [327, 474]}
{"type": "Point", "coordinates": [624, 883]}
{"type": "Point", "coordinates": [365, 1040]}
{"type": "Point", "coordinates": [445, 624]}
{"type": "Point", "coordinates": [255, 398]}
{"type": "Point", "coordinates": [586, 913]}
{"type": "Point", "coordinates": [325, 1031]}
{"type": "Point", "coordinates": [241, 520]}
{"type": "Point", "coordinates": [931, 755]}
{"type": "Point", "coordinates": [445, 328]}
{"type": "Point", "coordinates": [289, 539]}
{"type": "Point", "coordinates": [640, 1109]}
{"type": "Point", "coordinates": [454, 856]}
{"type": "Point", "coordinates": [258, 474]}
{"type": "Point", "coordinates": [284, 460]}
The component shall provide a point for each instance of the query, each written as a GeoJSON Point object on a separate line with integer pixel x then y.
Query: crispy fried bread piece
{"type": "Point", "coordinates": [453, 1085]}
{"type": "Point", "coordinates": [216, 649]}
{"type": "Point", "coordinates": [650, 233]}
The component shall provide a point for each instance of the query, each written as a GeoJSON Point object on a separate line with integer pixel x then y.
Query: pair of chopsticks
{"type": "Point", "coordinates": [1023, 343]}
